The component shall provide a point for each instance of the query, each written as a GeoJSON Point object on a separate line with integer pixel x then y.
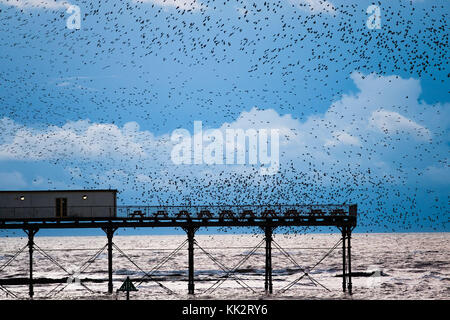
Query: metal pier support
{"type": "Point", "coordinates": [31, 232]}
{"type": "Point", "coordinates": [109, 234]}
{"type": "Point", "coordinates": [344, 260]}
{"type": "Point", "coordinates": [349, 235]}
{"type": "Point", "coordinates": [190, 231]}
{"type": "Point", "coordinates": [268, 275]}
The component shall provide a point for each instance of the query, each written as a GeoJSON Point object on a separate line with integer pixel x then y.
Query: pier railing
{"type": "Point", "coordinates": [180, 212]}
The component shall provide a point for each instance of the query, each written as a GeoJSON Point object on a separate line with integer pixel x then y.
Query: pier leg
{"type": "Point", "coordinates": [109, 234]}
{"type": "Point", "coordinates": [268, 275]}
{"type": "Point", "coordinates": [344, 262]}
{"type": "Point", "coordinates": [190, 233]}
{"type": "Point", "coordinates": [31, 233]}
{"type": "Point", "coordinates": [349, 233]}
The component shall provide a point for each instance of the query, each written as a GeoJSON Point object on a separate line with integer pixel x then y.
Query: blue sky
{"type": "Point", "coordinates": [364, 111]}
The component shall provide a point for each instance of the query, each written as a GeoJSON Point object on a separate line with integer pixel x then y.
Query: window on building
{"type": "Point", "coordinates": [61, 207]}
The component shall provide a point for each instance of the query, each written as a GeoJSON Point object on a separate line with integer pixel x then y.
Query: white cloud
{"type": "Point", "coordinates": [37, 4]}
{"type": "Point", "coordinates": [383, 123]}
{"type": "Point", "coordinates": [265, 119]}
{"type": "Point", "coordinates": [192, 5]}
{"type": "Point", "coordinates": [383, 126]}
{"type": "Point", "coordinates": [391, 122]}
{"type": "Point", "coordinates": [80, 140]}
{"type": "Point", "coordinates": [342, 137]}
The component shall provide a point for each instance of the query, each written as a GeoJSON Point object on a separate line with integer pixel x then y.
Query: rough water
{"type": "Point", "coordinates": [402, 266]}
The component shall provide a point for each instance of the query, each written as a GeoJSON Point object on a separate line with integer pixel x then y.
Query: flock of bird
{"type": "Point", "coordinates": [165, 64]}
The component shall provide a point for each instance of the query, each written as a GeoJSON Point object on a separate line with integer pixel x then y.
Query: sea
{"type": "Point", "coordinates": [229, 266]}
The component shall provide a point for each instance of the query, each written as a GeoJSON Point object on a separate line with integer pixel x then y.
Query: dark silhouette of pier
{"type": "Point", "coordinates": [190, 219]}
